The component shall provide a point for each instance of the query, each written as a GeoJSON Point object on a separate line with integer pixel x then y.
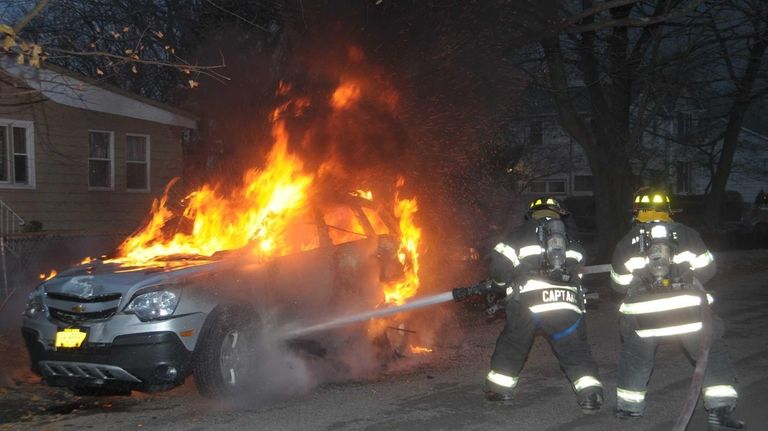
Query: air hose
{"type": "Point", "coordinates": [705, 342]}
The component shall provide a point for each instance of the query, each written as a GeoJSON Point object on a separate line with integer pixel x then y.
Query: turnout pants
{"type": "Point", "coordinates": [637, 360]}
{"type": "Point", "coordinates": [567, 336]}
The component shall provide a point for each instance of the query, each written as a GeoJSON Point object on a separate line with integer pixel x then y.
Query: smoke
{"type": "Point", "coordinates": [361, 108]}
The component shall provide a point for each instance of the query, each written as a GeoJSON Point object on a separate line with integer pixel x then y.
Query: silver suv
{"type": "Point", "coordinates": [103, 328]}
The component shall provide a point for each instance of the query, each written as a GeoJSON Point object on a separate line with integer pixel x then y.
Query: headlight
{"type": "Point", "coordinates": [154, 305]}
{"type": "Point", "coordinates": [35, 304]}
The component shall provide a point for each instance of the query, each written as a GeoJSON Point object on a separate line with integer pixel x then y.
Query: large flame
{"type": "Point", "coordinates": [256, 212]}
{"type": "Point", "coordinates": [408, 252]}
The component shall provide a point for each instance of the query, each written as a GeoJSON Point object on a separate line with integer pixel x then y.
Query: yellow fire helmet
{"type": "Point", "coordinates": [650, 204]}
{"type": "Point", "coordinates": [546, 206]}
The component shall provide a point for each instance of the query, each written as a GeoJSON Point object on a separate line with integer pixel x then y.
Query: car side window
{"type": "Point", "coordinates": [343, 224]}
{"type": "Point", "coordinates": [302, 234]}
{"type": "Point", "coordinates": [377, 222]}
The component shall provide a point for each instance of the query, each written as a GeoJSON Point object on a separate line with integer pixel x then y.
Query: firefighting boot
{"type": "Point", "coordinates": [591, 403]}
{"type": "Point", "coordinates": [720, 420]}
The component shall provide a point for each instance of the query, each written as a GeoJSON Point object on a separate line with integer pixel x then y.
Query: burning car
{"type": "Point", "coordinates": [107, 326]}
{"type": "Point", "coordinates": [185, 293]}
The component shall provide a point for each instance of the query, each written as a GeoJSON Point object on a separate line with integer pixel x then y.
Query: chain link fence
{"type": "Point", "coordinates": [24, 256]}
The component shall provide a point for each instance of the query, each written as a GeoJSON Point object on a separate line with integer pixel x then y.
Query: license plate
{"type": "Point", "coordinates": [69, 338]}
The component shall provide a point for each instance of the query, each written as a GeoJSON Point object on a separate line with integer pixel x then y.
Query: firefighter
{"type": "Point", "coordinates": [535, 266]}
{"type": "Point", "coordinates": [660, 266]}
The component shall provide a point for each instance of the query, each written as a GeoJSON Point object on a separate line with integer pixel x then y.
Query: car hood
{"type": "Point", "coordinates": [99, 279]}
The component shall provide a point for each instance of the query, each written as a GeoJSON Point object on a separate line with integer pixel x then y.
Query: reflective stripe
{"type": "Point", "coordinates": [510, 290]}
{"type": "Point", "coordinates": [697, 262]}
{"type": "Point", "coordinates": [702, 260]}
{"type": "Point", "coordinates": [508, 252]}
{"type": "Point", "coordinates": [665, 304]}
{"type": "Point", "coordinates": [501, 379]}
{"type": "Point", "coordinates": [636, 262]}
{"type": "Point", "coordinates": [573, 254]}
{"type": "Point", "coordinates": [658, 231]}
{"type": "Point", "coordinates": [720, 391]}
{"type": "Point", "coordinates": [671, 330]}
{"type": "Point", "coordinates": [621, 279]}
{"type": "Point", "coordinates": [530, 250]}
{"type": "Point", "coordinates": [531, 285]}
{"type": "Point", "coordinates": [542, 308]}
{"type": "Point", "coordinates": [630, 396]}
{"type": "Point", "coordinates": [586, 382]}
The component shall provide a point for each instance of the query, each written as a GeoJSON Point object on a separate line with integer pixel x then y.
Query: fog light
{"type": "Point", "coordinates": [167, 372]}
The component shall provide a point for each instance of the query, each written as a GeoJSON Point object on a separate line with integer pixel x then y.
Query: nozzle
{"type": "Point", "coordinates": [460, 293]}
{"type": "Point", "coordinates": [481, 288]}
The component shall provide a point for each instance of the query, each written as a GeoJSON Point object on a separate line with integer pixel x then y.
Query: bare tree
{"type": "Point", "coordinates": [620, 52]}
{"type": "Point", "coordinates": [138, 45]}
{"type": "Point", "coordinates": [741, 31]}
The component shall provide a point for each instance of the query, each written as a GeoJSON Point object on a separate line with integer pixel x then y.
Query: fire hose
{"type": "Point", "coordinates": [705, 342]}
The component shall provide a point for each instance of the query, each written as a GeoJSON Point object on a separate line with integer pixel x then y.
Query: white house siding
{"type": "Point", "coordinates": [61, 198]}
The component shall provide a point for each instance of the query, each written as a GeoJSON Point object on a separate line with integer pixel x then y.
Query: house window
{"type": "Point", "coordinates": [137, 162]}
{"type": "Point", "coordinates": [535, 136]}
{"type": "Point", "coordinates": [16, 154]}
{"type": "Point", "coordinates": [583, 183]}
{"type": "Point", "coordinates": [101, 153]}
{"type": "Point", "coordinates": [547, 186]}
{"type": "Point", "coordinates": [538, 187]}
{"type": "Point", "coordinates": [683, 183]}
{"type": "Point", "coordinates": [685, 125]}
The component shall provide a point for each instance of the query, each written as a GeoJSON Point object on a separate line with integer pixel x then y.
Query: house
{"type": "Point", "coordinates": [79, 155]}
{"type": "Point", "coordinates": [554, 163]}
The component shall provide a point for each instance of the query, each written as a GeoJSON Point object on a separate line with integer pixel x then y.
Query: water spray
{"type": "Point", "coordinates": [360, 317]}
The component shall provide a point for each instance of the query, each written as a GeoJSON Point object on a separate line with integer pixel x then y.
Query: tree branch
{"type": "Point", "coordinates": [28, 17]}
{"type": "Point", "coordinates": [633, 22]}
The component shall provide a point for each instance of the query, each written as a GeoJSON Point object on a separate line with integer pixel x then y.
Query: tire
{"type": "Point", "coordinates": [221, 366]}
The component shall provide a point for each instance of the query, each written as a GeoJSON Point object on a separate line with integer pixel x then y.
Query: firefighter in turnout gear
{"type": "Point", "coordinates": [660, 266]}
{"type": "Point", "coordinates": [536, 267]}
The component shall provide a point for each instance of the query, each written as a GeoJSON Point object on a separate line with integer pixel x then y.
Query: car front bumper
{"type": "Point", "coordinates": [120, 352]}
{"type": "Point", "coordinates": [146, 361]}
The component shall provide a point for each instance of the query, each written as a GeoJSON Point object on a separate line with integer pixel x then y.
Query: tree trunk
{"type": "Point", "coordinates": [732, 130]}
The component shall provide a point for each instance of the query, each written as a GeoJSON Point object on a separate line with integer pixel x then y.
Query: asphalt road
{"type": "Point", "coordinates": [443, 390]}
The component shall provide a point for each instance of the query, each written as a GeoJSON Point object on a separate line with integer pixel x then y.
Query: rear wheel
{"type": "Point", "coordinates": [221, 367]}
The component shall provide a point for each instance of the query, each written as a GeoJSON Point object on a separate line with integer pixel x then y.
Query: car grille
{"type": "Point", "coordinates": [72, 317]}
{"type": "Point", "coordinates": [88, 299]}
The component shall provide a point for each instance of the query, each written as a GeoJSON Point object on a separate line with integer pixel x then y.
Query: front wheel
{"type": "Point", "coordinates": [221, 367]}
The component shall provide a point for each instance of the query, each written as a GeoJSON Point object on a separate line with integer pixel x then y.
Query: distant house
{"type": "Point", "coordinates": [557, 165]}
{"type": "Point", "coordinates": [78, 155]}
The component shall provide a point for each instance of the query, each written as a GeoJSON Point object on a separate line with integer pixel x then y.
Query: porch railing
{"type": "Point", "coordinates": [10, 222]}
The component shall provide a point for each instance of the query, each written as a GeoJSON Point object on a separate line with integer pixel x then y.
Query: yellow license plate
{"type": "Point", "coordinates": [69, 338]}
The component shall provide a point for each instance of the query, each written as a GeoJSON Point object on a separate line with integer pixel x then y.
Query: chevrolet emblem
{"type": "Point", "coordinates": [79, 308]}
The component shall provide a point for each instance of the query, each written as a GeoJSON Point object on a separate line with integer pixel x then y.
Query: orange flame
{"type": "Point", "coordinates": [258, 210]}
{"type": "Point", "coordinates": [408, 251]}
{"type": "Point", "coordinates": [52, 274]}
{"type": "Point", "coordinates": [420, 349]}
{"type": "Point", "coordinates": [345, 95]}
